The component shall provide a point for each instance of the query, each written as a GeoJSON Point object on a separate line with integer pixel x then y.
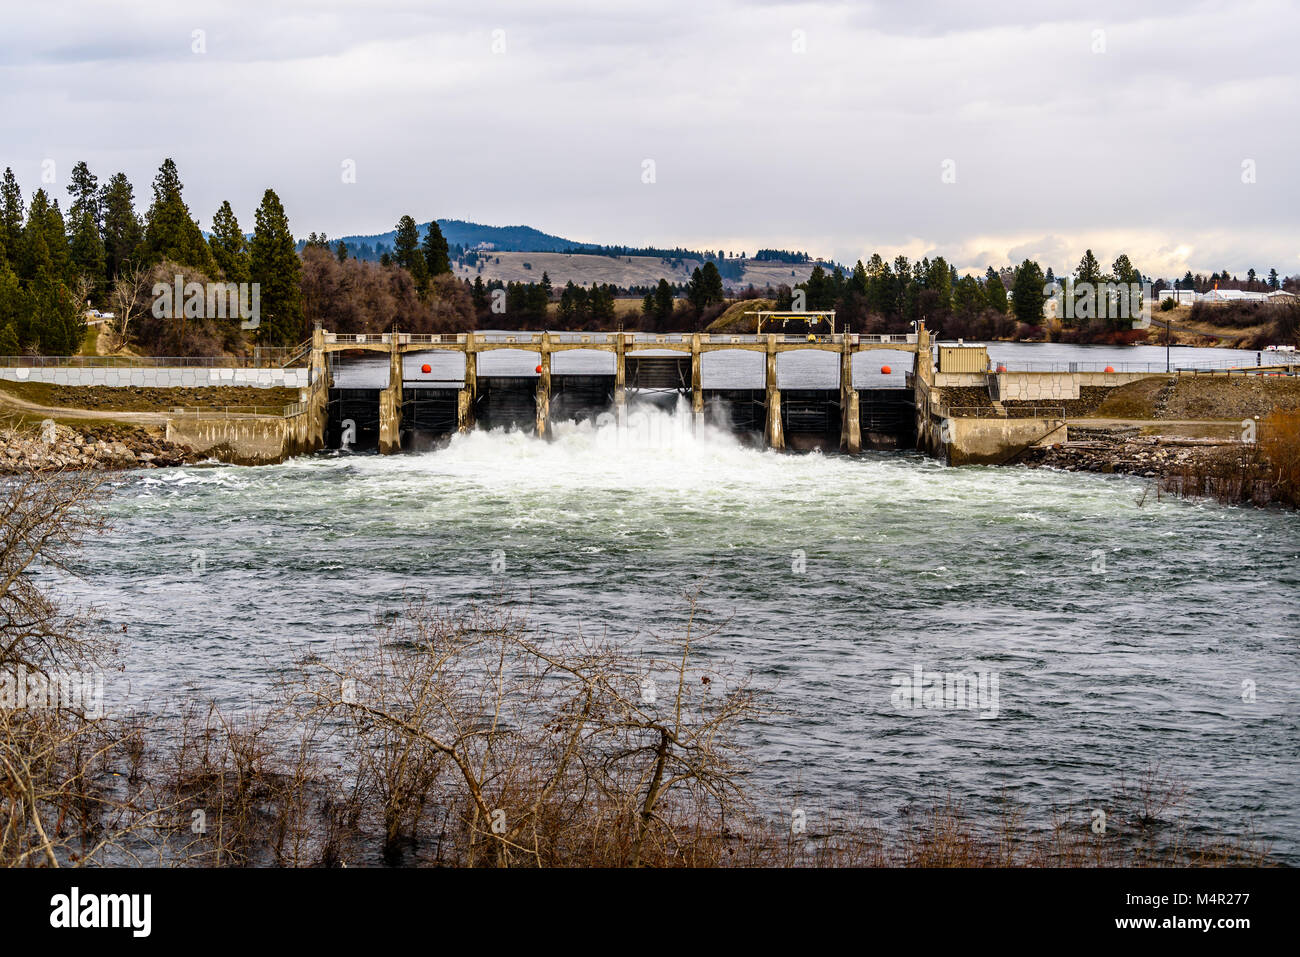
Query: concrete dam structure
{"type": "Point", "coordinates": [418, 411]}
{"type": "Point", "coordinates": [409, 412]}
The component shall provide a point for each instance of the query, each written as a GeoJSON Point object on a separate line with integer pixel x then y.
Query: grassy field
{"type": "Point", "coordinates": [128, 399]}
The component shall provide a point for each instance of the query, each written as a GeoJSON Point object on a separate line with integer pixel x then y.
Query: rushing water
{"type": "Point", "coordinates": [1121, 625]}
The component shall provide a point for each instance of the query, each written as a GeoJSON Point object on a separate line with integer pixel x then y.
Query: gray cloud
{"type": "Point", "coordinates": [1060, 137]}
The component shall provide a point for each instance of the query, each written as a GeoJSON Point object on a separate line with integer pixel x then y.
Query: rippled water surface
{"type": "Point", "coordinates": [1121, 626]}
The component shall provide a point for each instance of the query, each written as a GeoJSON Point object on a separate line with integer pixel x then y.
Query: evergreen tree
{"type": "Point", "coordinates": [714, 291]}
{"type": "Point", "coordinates": [86, 245]}
{"type": "Point", "coordinates": [123, 231]}
{"type": "Point", "coordinates": [1088, 270]}
{"type": "Point", "coordinates": [663, 301]}
{"type": "Point", "coordinates": [968, 297]}
{"type": "Point", "coordinates": [995, 293]}
{"type": "Point", "coordinates": [1273, 280]}
{"type": "Point", "coordinates": [170, 232]}
{"type": "Point", "coordinates": [229, 248]}
{"type": "Point", "coordinates": [436, 259]}
{"type": "Point", "coordinates": [273, 263]}
{"type": "Point", "coordinates": [938, 279]}
{"type": "Point", "coordinates": [12, 306]}
{"type": "Point", "coordinates": [1027, 293]}
{"type": "Point", "coordinates": [35, 244]}
{"type": "Point", "coordinates": [55, 322]}
{"type": "Point", "coordinates": [84, 190]}
{"type": "Point", "coordinates": [406, 243]}
{"type": "Point", "coordinates": [341, 251]}
{"type": "Point", "coordinates": [86, 250]}
{"type": "Point", "coordinates": [12, 213]}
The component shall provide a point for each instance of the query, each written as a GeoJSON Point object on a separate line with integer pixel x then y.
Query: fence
{"type": "Point", "coordinates": [1263, 360]}
{"type": "Point", "coordinates": [270, 357]}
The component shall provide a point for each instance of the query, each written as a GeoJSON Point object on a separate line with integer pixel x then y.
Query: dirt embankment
{"type": "Point", "coordinates": [132, 399]}
{"type": "Point", "coordinates": [1215, 398]}
{"type": "Point", "coordinates": [735, 321]}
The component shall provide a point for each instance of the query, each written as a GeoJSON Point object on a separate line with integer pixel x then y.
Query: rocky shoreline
{"type": "Point", "coordinates": [99, 448]}
{"type": "Point", "coordinates": [1126, 451]}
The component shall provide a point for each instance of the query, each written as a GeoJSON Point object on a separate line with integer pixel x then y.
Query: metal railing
{"type": "Point", "coordinates": [992, 412]}
{"type": "Point", "coordinates": [1264, 360]}
{"type": "Point", "coordinates": [605, 338]}
{"type": "Point", "coordinates": [237, 411]}
{"type": "Point", "coordinates": [263, 361]}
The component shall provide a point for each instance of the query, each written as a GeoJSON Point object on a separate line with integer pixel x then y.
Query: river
{"type": "Point", "coordinates": [1125, 629]}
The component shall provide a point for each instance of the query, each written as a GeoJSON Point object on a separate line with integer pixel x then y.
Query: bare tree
{"type": "Point", "coordinates": [129, 301]}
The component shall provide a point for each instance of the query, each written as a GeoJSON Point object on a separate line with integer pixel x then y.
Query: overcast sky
{"type": "Point", "coordinates": [1117, 124]}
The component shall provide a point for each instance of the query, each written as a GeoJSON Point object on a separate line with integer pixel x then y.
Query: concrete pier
{"type": "Point", "coordinates": [390, 406]}
{"type": "Point", "coordinates": [774, 433]}
{"type": "Point", "coordinates": [850, 410]}
{"type": "Point", "coordinates": [544, 390]}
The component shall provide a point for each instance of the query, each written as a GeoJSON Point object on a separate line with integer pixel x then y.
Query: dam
{"type": "Point", "coordinates": [418, 405]}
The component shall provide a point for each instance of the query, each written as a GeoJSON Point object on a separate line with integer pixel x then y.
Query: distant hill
{"type": "Point", "coordinates": [522, 239]}
{"type": "Point", "coordinates": [522, 254]}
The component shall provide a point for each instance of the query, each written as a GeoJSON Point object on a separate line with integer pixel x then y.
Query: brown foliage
{"type": "Point", "coordinates": [355, 296]}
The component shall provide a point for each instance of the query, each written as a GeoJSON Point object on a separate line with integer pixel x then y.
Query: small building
{"type": "Point", "coordinates": [963, 358]}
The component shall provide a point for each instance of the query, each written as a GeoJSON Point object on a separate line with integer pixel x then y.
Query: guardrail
{"type": "Point", "coordinates": [237, 411]}
{"type": "Point", "coordinates": [1263, 361]}
{"type": "Point", "coordinates": [989, 412]}
{"type": "Point", "coordinates": [606, 338]}
{"type": "Point", "coordinates": [263, 361]}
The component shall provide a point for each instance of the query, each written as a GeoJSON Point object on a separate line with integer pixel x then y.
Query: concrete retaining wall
{"type": "Point", "coordinates": [1034, 386]}
{"type": "Point", "coordinates": [960, 380]}
{"type": "Point", "coordinates": [159, 378]}
{"type": "Point", "coordinates": [263, 440]}
{"type": "Point", "coordinates": [994, 441]}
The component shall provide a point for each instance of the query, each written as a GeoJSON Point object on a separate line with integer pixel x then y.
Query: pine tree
{"type": "Point", "coordinates": [273, 263]}
{"type": "Point", "coordinates": [170, 232]}
{"type": "Point", "coordinates": [714, 291]}
{"type": "Point", "coordinates": [12, 214]}
{"type": "Point", "coordinates": [663, 301]}
{"type": "Point", "coordinates": [968, 297]}
{"type": "Point", "coordinates": [1273, 280]}
{"type": "Point", "coordinates": [995, 293]}
{"type": "Point", "coordinates": [84, 190]}
{"type": "Point", "coordinates": [12, 306]}
{"type": "Point", "coordinates": [436, 259]}
{"type": "Point", "coordinates": [86, 250]}
{"type": "Point", "coordinates": [1027, 293]}
{"type": "Point", "coordinates": [1088, 270]}
{"type": "Point", "coordinates": [123, 231]}
{"type": "Point", "coordinates": [229, 248]}
{"type": "Point", "coordinates": [54, 320]}
{"type": "Point", "coordinates": [405, 243]}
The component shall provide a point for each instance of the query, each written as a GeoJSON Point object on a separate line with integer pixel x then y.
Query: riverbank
{"type": "Point", "coordinates": [1126, 450]}
{"type": "Point", "coordinates": [95, 447]}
